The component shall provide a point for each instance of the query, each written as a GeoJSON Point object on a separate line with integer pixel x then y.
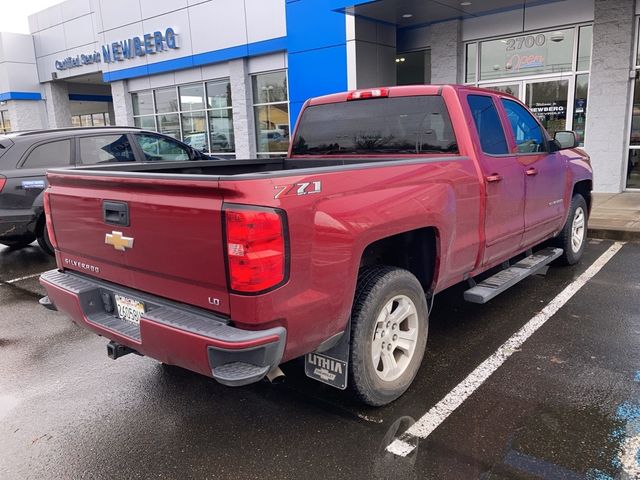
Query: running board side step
{"type": "Point", "coordinates": [501, 281]}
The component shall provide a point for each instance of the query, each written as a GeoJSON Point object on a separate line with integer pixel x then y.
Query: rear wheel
{"type": "Point", "coordinates": [388, 334]}
{"type": "Point", "coordinates": [43, 236]}
{"type": "Point", "coordinates": [572, 238]}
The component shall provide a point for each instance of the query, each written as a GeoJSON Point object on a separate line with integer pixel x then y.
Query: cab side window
{"type": "Point", "coordinates": [487, 121]}
{"type": "Point", "coordinates": [159, 148]}
{"type": "Point", "coordinates": [105, 149]}
{"type": "Point", "coordinates": [48, 155]}
{"type": "Point", "coordinates": [529, 136]}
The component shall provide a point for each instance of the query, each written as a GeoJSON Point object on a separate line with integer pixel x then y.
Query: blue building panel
{"type": "Point", "coordinates": [80, 97]}
{"type": "Point", "coordinates": [240, 51]}
{"type": "Point", "coordinates": [314, 73]}
{"type": "Point", "coordinates": [313, 24]}
{"type": "Point", "coordinates": [317, 49]}
{"type": "Point", "coordinates": [5, 96]}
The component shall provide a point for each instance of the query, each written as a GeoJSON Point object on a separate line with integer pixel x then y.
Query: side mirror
{"type": "Point", "coordinates": [566, 139]}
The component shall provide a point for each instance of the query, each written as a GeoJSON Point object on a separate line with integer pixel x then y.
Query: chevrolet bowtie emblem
{"type": "Point", "coordinates": [117, 241]}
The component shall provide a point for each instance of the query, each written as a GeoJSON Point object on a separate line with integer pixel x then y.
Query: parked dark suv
{"type": "Point", "coordinates": [26, 156]}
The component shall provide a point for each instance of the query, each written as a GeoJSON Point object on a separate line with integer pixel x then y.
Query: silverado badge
{"type": "Point", "coordinates": [117, 241]}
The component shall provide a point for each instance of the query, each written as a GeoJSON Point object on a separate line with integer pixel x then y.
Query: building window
{"type": "Point", "coordinates": [527, 54]}
{"type": "Point", "coordinates": [548, 71]}
{"type": "Point", "coordinates": [633, 165]}
{"type": "Point", "coordinates": [580, 106]}
{"type": "Point", "coordinates": [5, 123]}
{"type": "Point", "coordinates": [585, 41]}
{"type": "Point", "coordinates": [271, 113]}
{"type": "Point", "coordinates": [471, 62]}
{"type": "Point", "coordinates": [199, 114]}
{"type": "Point", "coordinates": [91, 120]}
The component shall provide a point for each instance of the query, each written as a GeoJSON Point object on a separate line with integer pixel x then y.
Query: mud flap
{"type": "Point", "coordinates": [332, 365]}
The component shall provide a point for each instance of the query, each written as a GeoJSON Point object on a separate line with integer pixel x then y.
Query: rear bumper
{"type": "Point", "coordinates": [169, 332]}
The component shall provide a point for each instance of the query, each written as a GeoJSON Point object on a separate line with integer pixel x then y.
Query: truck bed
{"type": "Point", "coordinates": [245, 168]}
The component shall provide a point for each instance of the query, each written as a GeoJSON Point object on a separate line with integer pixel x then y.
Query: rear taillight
{"type": "Point", "coordinates": [256, 248]}
{"type": "Point", "coordinates": [3, 180]}
{"type": "Point", "coordinates": [47, 214]}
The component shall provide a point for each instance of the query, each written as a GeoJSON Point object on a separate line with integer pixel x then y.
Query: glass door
{"type": "Point", "coordinates": [549, 101]}
{"type": "Point", "coordinates": [633, 166]}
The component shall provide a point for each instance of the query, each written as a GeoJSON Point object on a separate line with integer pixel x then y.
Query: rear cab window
{"type": "Point", "coordinates": [380, 126]}
{"type": "Point", "coordinates": [50, 154]}
{"type": "Point", "coordinates": [488, 125]}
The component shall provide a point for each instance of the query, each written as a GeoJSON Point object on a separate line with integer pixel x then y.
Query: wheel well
{"type": "Point", "coordinates": [414, 251]}
{"type": "Point", "coordinates": [584, 188]}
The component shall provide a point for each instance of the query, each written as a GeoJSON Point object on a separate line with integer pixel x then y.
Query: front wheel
{"type": "Point", "coordinates": [573, 237]}
{"type": "Point", "coordinates": [389, 324]}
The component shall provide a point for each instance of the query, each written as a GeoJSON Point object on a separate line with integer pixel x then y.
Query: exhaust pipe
{"type": "Point", "coordinates": [276, 375]}
{"type": "Point", "coordinates": [115, 350]}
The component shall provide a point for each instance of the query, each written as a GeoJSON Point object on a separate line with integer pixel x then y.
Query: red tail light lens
{"type": "Point", "coordinates": [47, 213]}
{"type": "Point", "coordinates": [256, 248]}
{"type": "Point", "coordinates": [3, 180]}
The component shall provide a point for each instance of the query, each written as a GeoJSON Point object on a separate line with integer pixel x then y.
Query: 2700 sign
{"type": "Point", "coordinates": [528, 41]}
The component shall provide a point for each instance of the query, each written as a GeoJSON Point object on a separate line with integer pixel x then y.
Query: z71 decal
{"type": "Point", "coordinates": [303, 188]}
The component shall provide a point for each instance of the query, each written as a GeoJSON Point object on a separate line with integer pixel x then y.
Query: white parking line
{"type": "Point", "coordinates": [445, 407]}
{"type": "Point", "coordinates": [27, 277]}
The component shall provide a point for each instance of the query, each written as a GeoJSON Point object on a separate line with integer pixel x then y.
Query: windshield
{"type": "Point", "coordinates": [386, 126]}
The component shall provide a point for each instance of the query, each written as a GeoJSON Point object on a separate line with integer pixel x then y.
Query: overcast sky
{"type": "Point", "coordinates": [14, 13]}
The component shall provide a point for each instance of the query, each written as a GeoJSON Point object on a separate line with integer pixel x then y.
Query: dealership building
{"type": "Point", "coordinates": [230, 76]}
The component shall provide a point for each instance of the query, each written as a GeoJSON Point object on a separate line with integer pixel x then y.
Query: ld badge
{"type": "Point", "coordinates": [326, 370]}
{"type": "Point", "coordinates": [118, 241]}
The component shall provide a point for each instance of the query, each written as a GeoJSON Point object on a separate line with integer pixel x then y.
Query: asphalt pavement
{"type": "Point", "coordinates": [564, 404]}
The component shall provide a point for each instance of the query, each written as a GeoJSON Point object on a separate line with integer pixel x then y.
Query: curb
{"type": "Point", "coordinates": [608, 234]}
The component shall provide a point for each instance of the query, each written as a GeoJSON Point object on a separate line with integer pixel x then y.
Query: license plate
{"type": "Point", "coordinates": [129, 309]}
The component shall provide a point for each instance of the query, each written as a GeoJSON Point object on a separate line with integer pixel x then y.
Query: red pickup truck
{"type": "Point", "coordinates": [388, 196]}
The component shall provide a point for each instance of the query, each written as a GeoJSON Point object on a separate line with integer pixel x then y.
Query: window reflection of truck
{"type": "Point", "coordinates": [198, 141]}
{"type": "Point", "coordinates": [276, 140]}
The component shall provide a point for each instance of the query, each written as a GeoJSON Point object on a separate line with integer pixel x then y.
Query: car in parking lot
{"type": "Point", "coordinates": [26, 156]}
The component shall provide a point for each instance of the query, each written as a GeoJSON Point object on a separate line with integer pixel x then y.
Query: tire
{"type": "Point", "coordinates": [573, 237]}
{"type": "Point", "coordinates": [372, 378]}
{"type": "Point", "coordinates": [43, 237]}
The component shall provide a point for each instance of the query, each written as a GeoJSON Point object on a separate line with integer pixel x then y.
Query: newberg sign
{"type": "Point", "coordinates": [148, 44]}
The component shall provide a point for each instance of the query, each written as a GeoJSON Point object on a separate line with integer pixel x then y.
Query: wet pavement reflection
{"type": "Point", "coordinates": [567, 405]}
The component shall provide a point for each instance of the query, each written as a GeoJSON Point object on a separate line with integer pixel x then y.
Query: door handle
{"type": "Point", "coordinates": [531, 172]}
{"type": "Point", "coordinates": [494, 177]}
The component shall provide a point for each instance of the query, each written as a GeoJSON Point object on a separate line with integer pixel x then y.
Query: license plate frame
{"type": "Point", "coordinates": [129, 309]}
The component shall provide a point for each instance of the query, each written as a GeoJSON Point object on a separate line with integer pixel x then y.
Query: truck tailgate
{"type": "Point", "coordinates": [172, 246]}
